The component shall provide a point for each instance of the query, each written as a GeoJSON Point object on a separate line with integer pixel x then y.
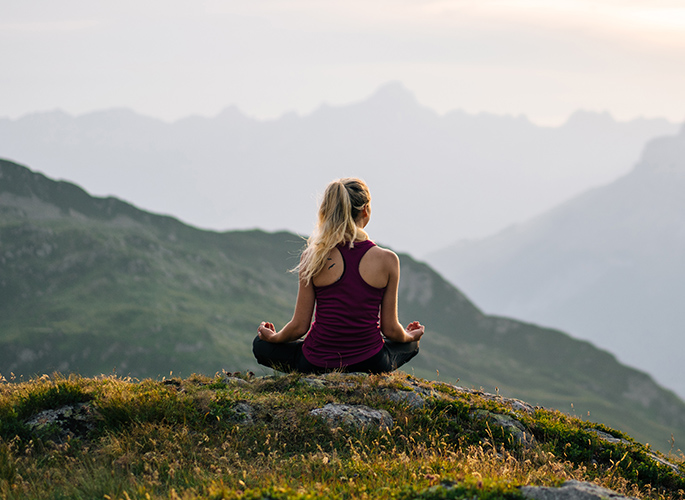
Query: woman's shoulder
{"type": "Point", "coordinates": [379, 266]}
{"type": "Point", "coordinates": [384, 254]}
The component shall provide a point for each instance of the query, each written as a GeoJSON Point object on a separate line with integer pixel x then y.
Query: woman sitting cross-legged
{"type": "Point", "coordinates": [352, 285]}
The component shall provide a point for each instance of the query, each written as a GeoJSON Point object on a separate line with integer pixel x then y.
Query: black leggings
{"type": "Point", "coordinates": [288, 357]}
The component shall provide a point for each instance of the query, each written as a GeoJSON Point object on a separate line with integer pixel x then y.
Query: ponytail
{"type": "Point", "coordinates": [342, 202]}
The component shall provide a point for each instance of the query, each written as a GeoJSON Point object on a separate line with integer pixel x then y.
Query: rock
{"type": "Point", "coordinates": [244, 413]}
{"type": "Point", "coordinates": [354, 415]}
{"type": "Point", "coordinates": [571, 490]}
{"type": "Point", "coordinates": [409, 398]}
{"type": "Point", "coordinates": [666, 463]}
{"type": "Point", "coordinates": [425, 392]}
{"type": "Point", "coordinates": [519, 406]}
{"type": "Point", "coordinates": [522, 435]}
{"type": "Point", "coordinates": [66, 422]}
{"type": "Point", "coordinates": [229, 380]}
{"type": "Point", "coordinates": [605, 436]}
{"type": "Point", "coordinates": [238, 378]}
{"type": "Point", "coordinates": [314, 382]}
{"type": "Point", "coordinates": [515, 404]}
{"type": "Point", "coordinates": [334, 379]}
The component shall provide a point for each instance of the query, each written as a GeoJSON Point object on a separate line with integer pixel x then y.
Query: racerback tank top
{"type": "Point", "coordinates": [346, 328]}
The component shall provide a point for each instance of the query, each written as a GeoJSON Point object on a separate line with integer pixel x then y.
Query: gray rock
{"type": "Point", "coordinates": [244, 413]}
{"type": "Point", "coordinates": [666, 463]}
{"type": "Point", "coordinates": [314, 382]}
{"type": "Point", "coordinates": [68, 421]}
{"type": "Point", "coordinates": [522, 435]}
{"type": "Point", "coordinates": [229, 380]}
{"type": "Point", "coordinates": [519, 406]}
{"type": "Point", "coordinates": [673, 467]}
{"type": "Point", "coordinates": [354, 415]}
{"type": "Point", "coordinates": [409, 398]}
{"type": "Point", "coordinates": [515, 404]}
{"type": "Point", "coordinates": [571, 490]}
{"type": "Point", "coordinates": [425, 392]}
{"type": "Point", "coordinates": [605, 436]}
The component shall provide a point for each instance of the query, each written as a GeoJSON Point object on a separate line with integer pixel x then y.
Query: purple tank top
{"type": "Point", "coordinates": [346, 328]}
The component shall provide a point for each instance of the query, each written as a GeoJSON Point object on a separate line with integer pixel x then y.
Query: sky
{"type": "Point", "coordinates": [169, 58]}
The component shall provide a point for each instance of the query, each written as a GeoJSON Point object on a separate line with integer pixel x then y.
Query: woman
{"type": "Point", "coordinates": [353, 284]}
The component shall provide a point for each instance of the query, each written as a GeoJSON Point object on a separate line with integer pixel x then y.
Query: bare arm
{"type": "Point", "coordinates": [390, 325]}
{"type": "Point", "coordinates": [300, 322]}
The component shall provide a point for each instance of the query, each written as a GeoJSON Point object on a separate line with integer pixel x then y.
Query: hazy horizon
{"type": "Point", "coordinates": [465, 190]}
{"type": "Point", "coordinates": [172, 59]}
{"type": "Point", "coordinates": [562, 120]}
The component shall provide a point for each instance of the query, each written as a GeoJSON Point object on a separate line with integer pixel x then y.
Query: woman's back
{"type": "Point", "coordinates": [373, 268]}
{"type": "Point", "coordinates": [346, 327]}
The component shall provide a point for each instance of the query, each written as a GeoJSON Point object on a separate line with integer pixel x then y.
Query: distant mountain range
{"type": "Point", "coordinates": [434, 178]}
{"type": "Point", "coordinates": [607, 266]}
{"type": "Point", "coordinates": [95, 285]}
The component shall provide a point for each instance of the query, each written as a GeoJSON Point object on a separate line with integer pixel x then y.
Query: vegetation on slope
{"type": "Point", "coordinates": [194, 438]}
{"type": "Point", "coordinates": [94, 285]}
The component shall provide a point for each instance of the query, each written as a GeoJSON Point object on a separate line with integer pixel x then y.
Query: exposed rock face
{"type": "Point", "coordinates": [611, 439]}
{"type": "Point", "coordinates": [517, 430]}
{"type": "Point", "coordinates": [230, 380]}
{"type": "Point", "coordinates": [516, 405]}
{"type": "Point", "coordinates": [606, 436]}
{"type": "Point", "coordinates": [244, 413]}
{"type": "Point", "coordinates": [65, 422]}
{"type": "Point", "coordinates": [410, 398]}
{"type": "Point", "coordinates": [571, 490]}
{"type": "Point", "coordinates": [355, 415]}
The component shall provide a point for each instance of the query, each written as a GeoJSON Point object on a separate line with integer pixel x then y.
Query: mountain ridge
{"type": "Point", "coordinates": [605, 266]}
{"type": "Point", "coordinates": [480, 172]}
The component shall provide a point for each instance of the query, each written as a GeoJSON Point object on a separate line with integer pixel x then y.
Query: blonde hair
{"type": "Point", "coordinates": [342, 202]}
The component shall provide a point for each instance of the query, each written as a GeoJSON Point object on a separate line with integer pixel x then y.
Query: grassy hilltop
{"type": "Point", "coordinates": [237, 436]}
{"type": "Point", "coordinates": [94, 285]}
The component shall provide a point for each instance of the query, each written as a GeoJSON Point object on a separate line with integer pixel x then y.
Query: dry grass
{"type": "Point", "coordinates": [185, 439]}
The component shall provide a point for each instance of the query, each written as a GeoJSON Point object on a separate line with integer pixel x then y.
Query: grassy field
{"type": "Point", "coordinates": [237, 436]}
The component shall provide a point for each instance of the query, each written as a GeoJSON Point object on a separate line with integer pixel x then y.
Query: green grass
{"type": "Point", "coordinates": [114, 289]}
{"type": "Point", "coordinates": [191, 439]}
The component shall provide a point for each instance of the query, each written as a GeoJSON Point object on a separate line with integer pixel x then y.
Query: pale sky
{"type": "Point", "coordinates": [172, 58]}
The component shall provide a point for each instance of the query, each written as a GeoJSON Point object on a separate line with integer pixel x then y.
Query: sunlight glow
{"type": "Point", "coordinates": [647, 14]}
{"type": "Point", "coordinates": [669, 18]}
{"type": "Point", "coordinates": [604, 17]}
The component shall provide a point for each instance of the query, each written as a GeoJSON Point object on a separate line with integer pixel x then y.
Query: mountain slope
{"type": "Point", "coordinates": [95, 285]}
{"type": "Point", "coordinates": [478, 172]}
{"type": "Point", "coordinates": [607, 266]}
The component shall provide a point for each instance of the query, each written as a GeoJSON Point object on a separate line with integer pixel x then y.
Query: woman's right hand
{"type": "Point", "coordinates": [415, 330]}
{"type": "Point", "coordinates": [267, 332]}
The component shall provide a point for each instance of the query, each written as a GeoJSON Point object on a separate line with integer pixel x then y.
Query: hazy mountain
{"type": "Point", "coordinates": [434, 178]}
{"type": "Point", "coordinates": [608, 266]}
{"type": "Point", "coordinates": [95, 285]}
